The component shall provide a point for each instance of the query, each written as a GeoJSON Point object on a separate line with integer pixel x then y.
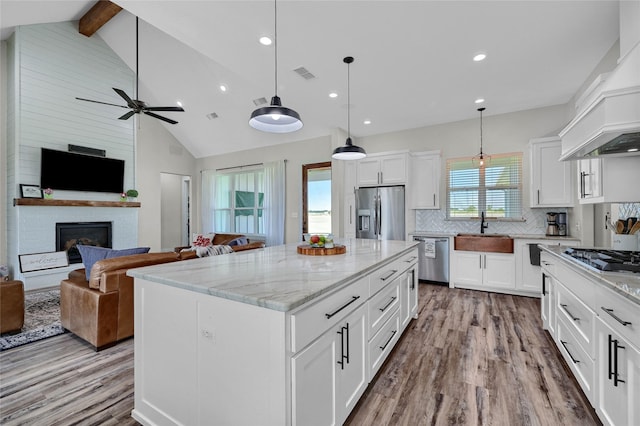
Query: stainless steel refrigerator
{"type": "Point", "coordinates": [380, 213]}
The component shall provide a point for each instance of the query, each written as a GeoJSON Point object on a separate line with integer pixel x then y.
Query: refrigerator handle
{"type": "Point", "coordinates": [379, 215]}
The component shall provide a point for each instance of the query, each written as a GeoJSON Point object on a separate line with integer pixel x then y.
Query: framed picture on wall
{"type": "Point", "coordinates": [30, 191]}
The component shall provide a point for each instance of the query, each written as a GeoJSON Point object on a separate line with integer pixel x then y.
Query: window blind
{"type": "Point", "coordinates": [494, 188]}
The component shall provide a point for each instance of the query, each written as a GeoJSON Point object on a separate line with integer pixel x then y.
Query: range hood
{"type": "Point", "coordinates": [607, 122]}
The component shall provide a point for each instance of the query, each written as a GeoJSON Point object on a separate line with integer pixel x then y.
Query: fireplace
{"type": "Point", "coordinates": [69, 235]}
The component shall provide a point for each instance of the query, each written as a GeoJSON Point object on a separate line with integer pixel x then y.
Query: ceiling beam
{"type": "Point", "coordinates": [97, 16]}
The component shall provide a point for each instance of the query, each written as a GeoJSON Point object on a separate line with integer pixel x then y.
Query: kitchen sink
{"type": "Point", "coordinates": [494, 243]}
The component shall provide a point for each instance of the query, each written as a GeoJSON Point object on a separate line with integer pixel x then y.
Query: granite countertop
{"type": "Point", "coordinates": [276, 277]}
{"type": "Point", "coordinates": [626, 284]}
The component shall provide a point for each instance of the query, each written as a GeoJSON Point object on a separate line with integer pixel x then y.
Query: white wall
{"type": "Point", "coordinates": [157, 152]}
{"type": "Point", "coordinates": [296, 154]}
{"type": "Point", "coordinates": [3, 153]}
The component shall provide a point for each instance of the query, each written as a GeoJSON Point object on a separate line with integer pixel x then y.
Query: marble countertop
{"type": "Point", "coordinates": [626, 284]}
{"type": "Point", "coordinates": [275, 277]}
{"type": "Point", "coordinates": [436, 234]}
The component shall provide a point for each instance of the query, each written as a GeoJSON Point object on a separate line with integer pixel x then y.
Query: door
{"type": "Point", "coordinates": [366, 213]}
{"type": "Point", "coordinates": [499, 270]}
{"type": "Point", "coordinates": [391, 211]}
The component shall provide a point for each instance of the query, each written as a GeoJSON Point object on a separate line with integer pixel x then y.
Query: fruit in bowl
{"type": "Point", "coordinates": [317, 240]}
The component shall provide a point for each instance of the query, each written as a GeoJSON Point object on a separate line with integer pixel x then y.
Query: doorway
{"type": "Point", "coordinates": [175, 210]}
{"type": "Point", "coordinates": [316, 198]}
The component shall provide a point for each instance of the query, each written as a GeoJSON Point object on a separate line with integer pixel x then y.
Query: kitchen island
{"type": "Point", "coordinates": [268, 336]}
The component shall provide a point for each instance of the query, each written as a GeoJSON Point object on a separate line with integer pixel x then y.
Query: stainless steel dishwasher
{"type": "Point", "coordinates": [433, 264]}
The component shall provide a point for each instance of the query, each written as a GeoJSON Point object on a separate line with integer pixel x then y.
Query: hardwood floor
{"type": "Point", "coordinates": [470, 358]}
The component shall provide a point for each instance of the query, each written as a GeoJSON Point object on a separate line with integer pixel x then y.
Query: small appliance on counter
{"type": "Point", "coordinates": [563, 227]}
{"type": "Point", "coordinates": [552, 224]}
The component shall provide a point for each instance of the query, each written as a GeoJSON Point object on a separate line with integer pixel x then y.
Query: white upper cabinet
{"type": "Point", "coordinates": [424, 180]}
{"type": "Point", "coordinates": [609, 180]}
{"type": "Point", "coordinates": [551, 180]}
{"type": "Point", "coordinates": [390, 169]}
{"type": "Point", "coordinates": [349, 199]}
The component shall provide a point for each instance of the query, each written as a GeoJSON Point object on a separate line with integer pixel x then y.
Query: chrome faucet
{"type": "Point", "coordinates": [482, 224]}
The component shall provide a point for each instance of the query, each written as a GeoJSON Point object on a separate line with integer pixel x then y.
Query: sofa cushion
{"type": "Point", "coordinates": [91, 254]}
{"type": "Point", "coordinates": [202, 240]}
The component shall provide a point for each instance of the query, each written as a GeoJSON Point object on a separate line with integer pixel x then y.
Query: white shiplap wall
{"type": "Point", "coordinates": [49, 65]}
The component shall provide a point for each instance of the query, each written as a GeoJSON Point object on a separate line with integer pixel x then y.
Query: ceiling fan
{"type": "Point", "coordinates": [135, 105]}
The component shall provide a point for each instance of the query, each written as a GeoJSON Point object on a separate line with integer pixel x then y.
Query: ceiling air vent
{"type": "Point", "coordinates": [304, 73]}
{"type": "Point", "coordinates": [259, 101]}
{"type": "Point", "coordinates": [212, 116]}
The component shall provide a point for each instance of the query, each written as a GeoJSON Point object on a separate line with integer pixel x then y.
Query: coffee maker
{"type": "Point", "coordinates": [563, 229]}
{"type": "Point", "coordinates": [552, 224]}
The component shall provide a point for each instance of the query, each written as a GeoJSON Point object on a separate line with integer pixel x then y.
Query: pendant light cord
{"type": "Point", "coordinates": [480, 109]}
{"type": "Point", "coordinates": [275, 40]}
{"type": "Point", "coordinates": [349, 100]}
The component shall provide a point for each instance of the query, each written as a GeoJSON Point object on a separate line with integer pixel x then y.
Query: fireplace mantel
{"type": "Point", "coordinates": [72, 203]}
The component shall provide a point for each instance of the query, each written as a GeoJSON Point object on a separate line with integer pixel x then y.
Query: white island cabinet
{"type": "Point", "coordinates": [269, 336]}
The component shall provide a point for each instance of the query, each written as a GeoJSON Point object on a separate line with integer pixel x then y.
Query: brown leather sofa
{"type": "Point", "coordinates": [225, 239]}
{"type": "Point", "coordinates": [11, 306]}
{"type": "Point", "coordinates": [100, 310]}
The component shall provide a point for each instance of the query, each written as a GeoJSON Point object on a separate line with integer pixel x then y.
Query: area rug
{"type": "Point", "coordinates": [41, 319]}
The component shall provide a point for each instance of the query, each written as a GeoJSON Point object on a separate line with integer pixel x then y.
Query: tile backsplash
{"type": "Point", "coordinates": [535, 222]}
{"type": "Point", "coordinates": [628, 210]}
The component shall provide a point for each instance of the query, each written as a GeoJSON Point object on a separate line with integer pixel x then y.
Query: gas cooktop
{"type": "Point", "coordinates": [607, 260]}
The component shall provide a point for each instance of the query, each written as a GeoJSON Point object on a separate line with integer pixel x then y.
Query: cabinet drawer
{"type": "Point", "coordinates": [620, 314]}
{"type": "Point", "coordinates": [382, 306]}
{"type": "Point", "coordinates": [582, 365]}
{"type": "Point", "coordinates": [578, 317]}
{"type": "Point", "coordinates": [579, 284]}
{"type": "Point", "coordinates": [390, 272]}
{"type": "Point", "coordinates": [548, 264]}
{"type": "Point", "coordinates": [382, 343]}
{"type": "Point", "coordinates": [310, 322]}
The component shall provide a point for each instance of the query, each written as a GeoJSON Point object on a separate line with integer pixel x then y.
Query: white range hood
{"type": "Point", "coordinates": [609, 121]}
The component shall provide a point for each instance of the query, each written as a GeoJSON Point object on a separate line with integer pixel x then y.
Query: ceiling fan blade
{"type": "Point", "coordinates": [103, 103]}
{"type": "Point", "coordinates": [130, 102]}
{"type": "Point", "coordinates": [168, 120]}
{"type": "Point", "coordinates": [127, 115]}
{"type": "Point", "coordinates": [169, 108]}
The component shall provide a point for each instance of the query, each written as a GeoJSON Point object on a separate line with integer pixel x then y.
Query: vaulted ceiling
{"type": "Point", "coordinates": [413, 60]}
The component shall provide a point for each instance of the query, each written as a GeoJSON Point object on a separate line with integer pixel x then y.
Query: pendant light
{"type": "Point", "coordinates": [275, 118]}
{"type": "Point", "coordinates": [349, 151]}
{"type": "Point", "coordinates": [481, 159]}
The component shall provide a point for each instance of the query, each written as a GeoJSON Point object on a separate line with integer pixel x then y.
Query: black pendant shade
{"type": "Point", "coordinates": [275, 118]}
{"type": "Point", "coordinates": [349, 151]}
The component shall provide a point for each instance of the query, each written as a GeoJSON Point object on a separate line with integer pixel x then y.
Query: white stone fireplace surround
{"type": "Point", "coordinates": [36, 233]}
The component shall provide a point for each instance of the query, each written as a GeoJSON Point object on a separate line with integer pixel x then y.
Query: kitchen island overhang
{"type": "Point", "coordinates": [222, 339]}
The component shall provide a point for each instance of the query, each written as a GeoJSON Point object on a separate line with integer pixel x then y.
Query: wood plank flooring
{"type": "Point", "coordinates": [471, 358]}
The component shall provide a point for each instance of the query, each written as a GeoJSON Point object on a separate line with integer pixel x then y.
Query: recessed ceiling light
{"type": "Point", "coordinates": [333, 95]}
{"type": "Point", "coordinates": [480, 56]}
{"type": "Point", "coordinates": [223, 88]}
{"type": "Point", "coordinates": [179, 103]}
{"type": "Point", "coordinates": [367, 121]}
{"type": "Point", "coordinates": [265, 41]}
{"type": "Point", "coordinates": [212, 116]}
{"type": "Point", "coordinates": [479, 101]}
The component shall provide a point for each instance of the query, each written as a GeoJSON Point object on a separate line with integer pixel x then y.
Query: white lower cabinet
{"type": "Point", "coordinates": [409, 296]}
{"type": "Point", "coordinates": [478, 269]}
{"type": "Point", "coordinates": [330, 375]}
{"type": "Point", "coordinates": [598, 333]}
{"type": "Point", "coordinates": [618, 378]}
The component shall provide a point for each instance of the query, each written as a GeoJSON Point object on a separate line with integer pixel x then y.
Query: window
{"type": "Point", "coordinates": [316, 198]}
{"type": "Point", "coordinates": [495, 188]}
{"type": "Point", "coordinates": [239, 202]}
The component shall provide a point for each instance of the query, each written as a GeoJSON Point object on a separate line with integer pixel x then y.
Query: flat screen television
{"type": "Point", "coordinates": [79, 172]}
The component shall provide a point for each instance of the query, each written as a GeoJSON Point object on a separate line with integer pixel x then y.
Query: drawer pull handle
{"type": "Point", "coordinates": [575, 361]}
{"type": "Point", "coordinates": [353, 299]}
{"type": "Point", "coordinates": [615, 317]}
{"type": "Point", "coordinates": [411, 259]}
{"type": "Point", "coordinates": [384, 308]}
{"type": "Point", "coordinates": [393, 333]}
{"type": "Point", "coordinates": [573, 317]}
{"type": "Point", "coordinates": [391, 273]}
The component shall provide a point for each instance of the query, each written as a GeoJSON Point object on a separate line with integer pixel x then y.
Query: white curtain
{"type": "Point", "coordinates": [274, 202]}
{"type": "Point", "coordinates": [208, 200]}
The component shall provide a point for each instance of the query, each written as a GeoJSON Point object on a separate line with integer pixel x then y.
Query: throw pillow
{"type": "Point", "coordinates": [91, 254]}
{"type": "Point", "coordinates": [202, 240]}
{"type": "Point", "coordinates": [240, 241]}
